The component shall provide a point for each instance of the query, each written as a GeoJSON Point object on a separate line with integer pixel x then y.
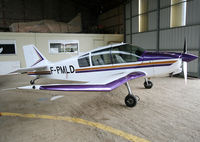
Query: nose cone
{"type": "Point", "coordinates": [188, 57]}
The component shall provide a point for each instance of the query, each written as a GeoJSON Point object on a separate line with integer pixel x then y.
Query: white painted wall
{"type": "Point", "coordinates": [86, 41]}
{"type": "Point", "coordinates": [8, 66]}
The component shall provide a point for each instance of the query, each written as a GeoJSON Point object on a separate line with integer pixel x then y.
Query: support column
{"type": "Point", "coordinates": [131, 41]}
{"type": "Point", "coordinates": [158, 25]}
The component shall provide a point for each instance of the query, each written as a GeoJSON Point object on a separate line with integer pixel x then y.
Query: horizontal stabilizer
{"type": "Point", "coordinates": [25, 70]}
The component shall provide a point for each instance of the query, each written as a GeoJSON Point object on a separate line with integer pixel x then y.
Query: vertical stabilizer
{"type": "Point", "coordinates": [33, 57]}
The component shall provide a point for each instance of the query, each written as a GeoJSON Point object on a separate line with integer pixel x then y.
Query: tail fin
{"type": "Point", "coordinates": [33, 57]}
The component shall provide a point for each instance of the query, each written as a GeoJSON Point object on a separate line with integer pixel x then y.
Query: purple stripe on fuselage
{"type": "Point", "coordinates": [107, 87]}
{"type": "Point", "coordinates": [124, 68]}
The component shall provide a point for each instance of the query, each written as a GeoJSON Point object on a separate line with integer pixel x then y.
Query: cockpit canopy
{"type": "Point", "coordinates": [124, 53]}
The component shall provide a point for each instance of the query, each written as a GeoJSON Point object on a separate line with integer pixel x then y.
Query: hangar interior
{"type": "Point", "coordinates": [60, 29]}
{"type": "Point", "coordinates": [43, 42]}
{"type": "Point", "coordinates": [91, 23]}
{"type": "Point", "coordinates": [95, 14]}
{"type": "Point", "coordinates": [151, 24]}
{"type": "Point", "coordinates": [162, 25]}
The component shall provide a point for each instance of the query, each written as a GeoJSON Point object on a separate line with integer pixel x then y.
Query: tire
{"type": "Point", "coordinates": [148, 85]}
{"type": "Point", "coordinates": [130, 101]}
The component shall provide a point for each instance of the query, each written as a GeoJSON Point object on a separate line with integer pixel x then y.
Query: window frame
{"type": "Point", "coordinates": [63, 42]}
{"type": "Point", "coordinates": [103, 64]}
{"type": "Point", "coordinates": [85, 55]}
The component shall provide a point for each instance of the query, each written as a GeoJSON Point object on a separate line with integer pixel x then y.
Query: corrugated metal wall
{"type": "Point", "coordinates": [112, 21]}
{"type": "Point", "coordinates": [169, 39]}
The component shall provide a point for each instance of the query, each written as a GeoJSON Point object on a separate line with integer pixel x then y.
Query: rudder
{"type": "Point", "coordinates": [33, 57]}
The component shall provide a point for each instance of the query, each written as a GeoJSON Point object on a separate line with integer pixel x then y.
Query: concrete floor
{"type": "Point", "coordinates": [169, 112]}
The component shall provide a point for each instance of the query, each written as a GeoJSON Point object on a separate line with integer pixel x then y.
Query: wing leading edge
{"type": "Point", "coordinates": [106, 87]}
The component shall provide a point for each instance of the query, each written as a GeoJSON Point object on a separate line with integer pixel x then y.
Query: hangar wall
{"type": "Point", "coordinates": [112, 21]}
{"type": "Point", "coordinates": [160, 36]}
{"type": "Point", "coordinates": [40, 40]}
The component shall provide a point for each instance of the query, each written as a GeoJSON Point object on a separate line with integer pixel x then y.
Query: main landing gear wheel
{"type": "Point", "coordinates": [148, 84]}
{"type": "Point", "coordinates": [130, 100]}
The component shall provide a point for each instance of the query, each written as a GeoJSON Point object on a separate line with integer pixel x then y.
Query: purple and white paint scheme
{"type": "Point", "coordinates": [104, 68]}
{"type": "Point", "coordinates": [167, 55]}
{"type": "Point", "coordinates": [107, 87]}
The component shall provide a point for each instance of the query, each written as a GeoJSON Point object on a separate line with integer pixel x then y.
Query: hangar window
{"type": "Point", "coordinates": [7, 47]}
{"type": "Point", "coordinates": [84, 60]}
{"type": "Point", "coordinates": [126, 53]}
{"type": "Point", "coordinates": [101, 57]}
{"type": "Point", "coordinates": [63, 46]}
{"type": "Point", "coordinates": [143, 15]}
{"type": "Point", "coordinates": [178, 13]}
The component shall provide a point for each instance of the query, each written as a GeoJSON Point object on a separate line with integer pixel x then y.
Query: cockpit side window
{"type": "Point", "coordinates": [101, 57]}
{"type": "Point", "coordinates": [84, 61]}
{"type": "Point", "coordinates": [126, 53]}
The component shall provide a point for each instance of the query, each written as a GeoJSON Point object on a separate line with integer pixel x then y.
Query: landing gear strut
{"type": "Point", "coordinates": [32, 82]}
{"type": "Point", "coordinates": [148, 84]}
{"type": "Point", "coordinates": [130, 99]}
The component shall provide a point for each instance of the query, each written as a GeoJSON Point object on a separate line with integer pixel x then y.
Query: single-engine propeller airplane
{"type": "Point", "coordinates": [104, 68]}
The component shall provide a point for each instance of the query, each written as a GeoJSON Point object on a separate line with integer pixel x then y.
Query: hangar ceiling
{"type": "Point", "coordinates": [62, 11]}
{"type": "Point", "coordinates": [99, 5]}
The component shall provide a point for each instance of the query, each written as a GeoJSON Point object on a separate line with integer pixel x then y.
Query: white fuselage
{"type": "Point", "coordinates": [70, 70]}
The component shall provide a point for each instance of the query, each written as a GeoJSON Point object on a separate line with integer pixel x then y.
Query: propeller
{"type": "Point", "coordinates": [184, 62]}
{"type": "Point", "coordinates": [185, 46]}
{"type": "Point", "coordinates": [185, 71]}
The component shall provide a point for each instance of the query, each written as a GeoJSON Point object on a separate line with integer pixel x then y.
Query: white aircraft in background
{"type": "Point", "coordinates": [104, 68]}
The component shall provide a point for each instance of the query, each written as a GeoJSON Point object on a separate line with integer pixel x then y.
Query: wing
{"type": "Point", "coordinates": [89, 87]}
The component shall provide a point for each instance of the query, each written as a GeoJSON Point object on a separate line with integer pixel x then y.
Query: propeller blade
{"type": "Point", "coordinates": [185, 46]}
{"type": "Point", "coordinates": [185, 71]}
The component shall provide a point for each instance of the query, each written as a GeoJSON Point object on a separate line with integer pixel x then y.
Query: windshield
{"type": "Point", "coordinates": [126, 53]}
